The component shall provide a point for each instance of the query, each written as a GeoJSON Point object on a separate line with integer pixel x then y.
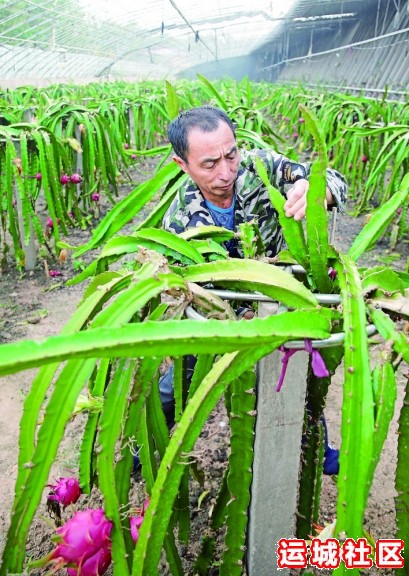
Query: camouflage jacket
{"type": "Point", "coordinates": [188, 209]}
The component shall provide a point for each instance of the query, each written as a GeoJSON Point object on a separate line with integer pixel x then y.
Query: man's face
{"type": "Point", "coordinates": [212, 162]}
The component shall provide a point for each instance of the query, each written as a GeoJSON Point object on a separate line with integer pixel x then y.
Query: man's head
{"type": "Point", "coordinates": [204, 118]}
{"type": "Point", "coordinates": [204, 143]}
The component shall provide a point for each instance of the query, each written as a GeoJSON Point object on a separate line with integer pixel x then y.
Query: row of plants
{"type": "Point", "coordinates": [57, 166]}
{"type": "Point", "coordinates": [65, 148]}
{"type": "Point", "coordinates": [366, 139]}
{"type": "Point", "coordinates": [132, 316]}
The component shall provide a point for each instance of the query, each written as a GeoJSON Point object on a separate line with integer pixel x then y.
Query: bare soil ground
{"type": "Point", "coordinates": [34, 306]}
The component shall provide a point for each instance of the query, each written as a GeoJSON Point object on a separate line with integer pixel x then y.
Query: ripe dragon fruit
{"type": "Point", "coordinates": [65, 179]}
{"type": "Point", "coordinates": [136, 521]}
{"type": "Point", "coordinates": [76, 178]}
{"type": "Point", "coordinates": [83, 545]}
{"type": "Point", "coordinates": [95, 565]}
{"type": "Point", "coordinates": [95, 197]}
{"type": "Point", "coordinates": [85, 536]}
{"type": "Point", "coordinates": [67, 490]}
{"type": "Point", "coordinates": [50, 223]}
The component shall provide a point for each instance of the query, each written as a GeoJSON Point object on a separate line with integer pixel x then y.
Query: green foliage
{"type": "Point", "coordinates": [132, 316]}
{"type": "Point", "coordinates": [100, 130]}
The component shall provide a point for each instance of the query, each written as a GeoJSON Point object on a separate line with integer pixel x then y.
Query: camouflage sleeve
{"type": "Point", "coordinates": [170, 221]}
{"type": "Point", "coordinates": [284, 172]}
{"type": "Point", "coordinates": [338, 188]}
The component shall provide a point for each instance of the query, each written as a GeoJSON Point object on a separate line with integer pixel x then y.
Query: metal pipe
{"type": "Point", "coordinates": [258, 297]}
{"type": "Point", "coordinates": [333, 340]}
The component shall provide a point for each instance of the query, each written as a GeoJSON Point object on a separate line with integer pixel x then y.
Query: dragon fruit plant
{"type": "Point", "coordinates": [132, 317]}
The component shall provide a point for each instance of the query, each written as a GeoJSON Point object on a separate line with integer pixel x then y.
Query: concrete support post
{"type": "Point", "coordinates": [277, 452]}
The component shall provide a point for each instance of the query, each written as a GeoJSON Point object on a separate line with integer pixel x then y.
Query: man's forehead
{"type": "Point", "coordinates": [201, 141]}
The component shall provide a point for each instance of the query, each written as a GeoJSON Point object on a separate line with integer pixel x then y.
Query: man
{"type": "Point", "coordinates": [224, 189]}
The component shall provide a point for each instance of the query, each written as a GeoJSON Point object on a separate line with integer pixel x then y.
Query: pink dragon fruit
{"type": "Point", "coordinates": [38, 176]}
{"type": "Point", "coordinates": [136, 522]}
{"type": "Point", "coordinates": [83, 545]}
{"type": "Point", "coordinates": [65, 179]}
{"type": "Point", "coordinates": [364, 159]}
{"type": "Point", "coordinates": [50, 223]}
{"type": "Point", "coordinates": [95, 565]}
{"type": "Point", "coordinates": [67, 490]}
{"type": "Point", "coordinates": [83, 536]}
{"type": "Point", "coordinates": [76, 178]}
{"type": "Point", "coordinates": [95, 197]}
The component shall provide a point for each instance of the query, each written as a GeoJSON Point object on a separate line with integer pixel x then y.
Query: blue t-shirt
{"type": "Point", "coordinates": [222, 216]}
{"type": "Point", "coordinates": [225, 217]}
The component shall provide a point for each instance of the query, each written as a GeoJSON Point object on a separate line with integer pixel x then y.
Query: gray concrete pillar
{"type": "Point", "coordinates": [277, 452]}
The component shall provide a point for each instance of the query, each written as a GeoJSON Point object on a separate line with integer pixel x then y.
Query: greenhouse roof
{"type": "Point", "coordinates": [90, 39]}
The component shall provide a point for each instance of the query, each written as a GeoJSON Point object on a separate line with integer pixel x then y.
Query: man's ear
{"type": "Point", "coordinates": [180, 162]}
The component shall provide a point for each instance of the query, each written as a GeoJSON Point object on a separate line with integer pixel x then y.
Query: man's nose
{"type": "Point", "coordinates": [225, 170]}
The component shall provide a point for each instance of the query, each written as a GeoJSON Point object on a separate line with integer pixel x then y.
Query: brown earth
{"type": "Point", "coordinates": [34, 306]}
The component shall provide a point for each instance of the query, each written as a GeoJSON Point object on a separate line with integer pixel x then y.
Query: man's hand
{"type": "Point", "coordinates": [297, 200]}
{"type": "Point", "coordinates": [296, 203]}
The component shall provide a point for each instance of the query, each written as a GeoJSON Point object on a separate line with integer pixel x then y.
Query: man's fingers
{"type": "Point", "coordinates": [296, 200]}
{"type": "Point", "coordinates": [296, 209]}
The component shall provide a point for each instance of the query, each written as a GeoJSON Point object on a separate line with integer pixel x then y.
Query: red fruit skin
{"type": "Point", "coordinates": [95, 565]}
{"type": "Point", "coordinates": [83, 536]}
{"type": "Point", "coordinates": [67, 490]}
{"type": "Point", "coordinates": [135, 522]}
{"type": "Point", "coordinates": [76, 178]}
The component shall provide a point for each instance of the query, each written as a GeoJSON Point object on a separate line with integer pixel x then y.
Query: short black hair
{"type": "Point", "coordinates": [207, 118]}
